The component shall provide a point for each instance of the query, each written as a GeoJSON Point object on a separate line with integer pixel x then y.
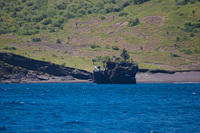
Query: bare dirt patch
{"type": "Point", "coordinates": [155, 20]}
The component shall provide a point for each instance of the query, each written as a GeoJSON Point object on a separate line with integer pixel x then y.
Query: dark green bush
{"type": "Point", "coordinates": [197, 51]}
{"type": "Point", "coordinates": [9, 48]}
{"type": "Point", "coordinates": [137, 2]}
{"type": "Point", "coordinates": [174, 55]}
{"type": "Point", "coordinates": [192, 1]}
{"type": "Point", "coordinates": [123, 14]}
{"type": "Point", "coordinates": [30, 3]}
{"type": "Point", "coordinates": [14, 14]}
{"type": "Point", "coordinates": [61, 6]}
{"type": "Point", "coordinates": [36, 39]}
{"type": "Point", "coordinates": [115, 47]}
{"type": "Point", "coordinates": [28, 31]}
{"type": "Point", "coordinates": [178, 39]}
{"type": "Point", "coordinates": [126, 3]}
{"type": "Point", "coordinates": [54, 56]}
{"type": "Point", "coordinates": [187, 51]}
{"type": "Point", "coordinates": [103, 17]}
{"type": "Point", "coordinates": [184, 2]}
{"type": "Point", "coordinates": [93, 46]}
{"type": "Point", "coordinates": [46, 21]}
{"type": "Point", "coordinates": [51, 29]}
{"type": "Point", "coordinates": [192, 35]}
{"type": "Point", "coordinates": [69, 15]}
{"type": "Point", "coordinates": [117, 8]}
{"type": "Point", "coordinates": [109, 8]}
{"type": "Point", "coordinates": [58, 41]}
{"type": "Point", "coordinates": [18, 8]}
{"type": "Point", "coordinates": [181, 14]}
{"type": "Point", "coordinates": [132, 22]}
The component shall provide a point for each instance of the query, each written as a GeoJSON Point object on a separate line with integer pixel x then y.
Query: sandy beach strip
{"type": "Point", "coordinates": [178, 77]}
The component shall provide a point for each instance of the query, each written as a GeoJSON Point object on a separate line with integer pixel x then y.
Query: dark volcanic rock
{"type": "Point", "coordinates": [16, 68]}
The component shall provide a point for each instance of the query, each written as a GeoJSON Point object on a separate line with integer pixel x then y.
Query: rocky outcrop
{"type": "Point", "coordinates": [123, 73]}
{"type": "Point", "coordinates": [17, 69]}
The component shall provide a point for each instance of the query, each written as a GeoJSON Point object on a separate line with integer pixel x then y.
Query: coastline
{"type": "Point", "coordinates": [177, 77]}
{"type": "Point", "coordinates": [141, 77]}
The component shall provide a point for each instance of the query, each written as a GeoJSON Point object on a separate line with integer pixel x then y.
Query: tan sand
{"type": "Point", "coordinates": [179, 77]}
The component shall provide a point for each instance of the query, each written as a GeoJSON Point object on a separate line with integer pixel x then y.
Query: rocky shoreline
{"type": "Point", "coordinates": [19, 69]}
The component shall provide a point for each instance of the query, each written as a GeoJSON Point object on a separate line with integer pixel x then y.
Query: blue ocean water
{"type": "Point", "coordinates": [85, 107]}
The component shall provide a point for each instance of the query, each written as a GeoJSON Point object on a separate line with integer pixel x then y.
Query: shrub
{"type": "Point", "coordinates": [103, 17]}
{"type": "Point", "coordinates": [46, 21]}
{"type": "Point", "coordinates": [115, 47]}
{"type": "Point", "coordinates": [30, 3]}
{"type": "Point", "coordinates": [61, 6]}
{"type": "Point", "coordinates": [123, 14]}
{"type": "Point", "coordinates": [184, 2]}
{"type": "Point", "coordinates": [192, 35]}
{"type": "Point", "coordinates": [185, 38]}
{"type": "Point", "coordinates": [192, 2]}
{"type": "Point", "coordinates": [181, 14]}
{"type": "Point", "coordinates": [109, 8]}
{"type": "Point", "coordinates": [178, 39]}
{"type": "Point", "coordinates": [107, 47]}
{"type": "Point", "coordinates": [197, 51]}
{"type": "Point", "coordinates": [14, 14]}
{"type": "Point", "coordinates": [51, 29]}
{"type": "Point", "coordinates": [93, 46]}
{"type": "Point", "coordinates": [9, 48]}
{"type": "Point", "coordinates": [54, 56]}
{"type": "Point", "coordinates": [117, 9]}
{"type": "Point", "coordinates": [44, 27]}
{"type": "Point", "coordinates": [187, 51]}
{"type": "Point", "coordinates": [18, 8]}
{"type": "Point", "coordinates": [58, 41]}
{"type": "Point", "coordinates": [69, 15]}
{"type": "Point", "coordinates": [197, 25]}
{"type": "Point", "coordinates": [57, 24]}
{"type": "Point", "coordinates": [36, 39]}
{"type": "Point", "coordinates": [174, 55]}
{"type": "Point", "coordinates": [132, 22]}
{"type": "Point", "coordinates": [28, 31]}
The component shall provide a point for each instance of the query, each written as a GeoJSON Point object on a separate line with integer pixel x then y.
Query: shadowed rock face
{"type": "Point", "coordinates": [12, 65]}
{"type": "Point", "coordinates": [123, 73]}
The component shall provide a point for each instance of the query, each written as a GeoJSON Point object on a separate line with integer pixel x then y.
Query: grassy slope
{"type": "Point", "coordinates": [157, 35]}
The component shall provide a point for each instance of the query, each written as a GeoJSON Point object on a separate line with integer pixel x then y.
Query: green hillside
{"type": "Point", "coordinates": [158, 34]}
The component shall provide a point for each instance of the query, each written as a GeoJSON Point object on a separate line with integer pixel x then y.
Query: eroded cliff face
{"type": "Point", "coordinates": [17, 69]}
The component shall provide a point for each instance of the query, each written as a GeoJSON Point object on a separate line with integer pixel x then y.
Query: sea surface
{"type": "Point", "coordinates": [85, 107]}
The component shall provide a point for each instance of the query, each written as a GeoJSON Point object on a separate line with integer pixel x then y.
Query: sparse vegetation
{"type": "Point", "coordinates": [151, 31]}
{"type": "Point", "coordinates": [133, 22]}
